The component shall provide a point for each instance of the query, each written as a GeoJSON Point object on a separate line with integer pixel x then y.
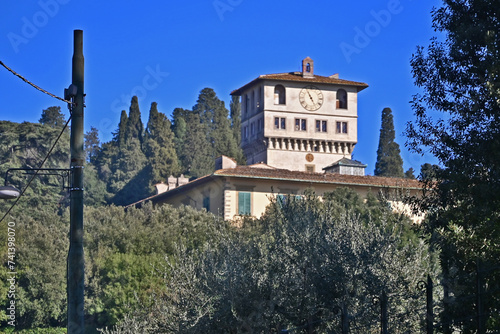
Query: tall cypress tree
{"type": "Point", "coordinates": [130, 159]}
{"type": "Point", "coordinates": [120, 134]}
{"type": "Point", "coordinates": [179, 128]}
{"type": "Point", "coordinates": [197, 156]}
{"type": "Point", "coordinates": [235, 113]}
{"type": "Point", "coordinates": [135, 127]}
{"type": "Point", "coordinates": [159, 147]}
{"type": "Point", "coordinates": [389, 161]}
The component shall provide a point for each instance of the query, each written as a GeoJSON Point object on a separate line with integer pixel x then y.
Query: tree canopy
{"type": "Point", "coordinates": [389, 161]}
{"type": "Point", "coordinates": [457, 119]}
{"type": "Point", "coordinates": [267, 276]}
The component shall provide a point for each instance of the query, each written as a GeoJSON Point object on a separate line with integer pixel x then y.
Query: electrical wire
{"type": "Point", "coordinates": [37, 170]}
{"type": "Point", "coordinates": [32, 84]}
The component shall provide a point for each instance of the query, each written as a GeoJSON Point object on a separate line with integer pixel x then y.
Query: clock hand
{"type": "Point", "coordinates": [310, 96]}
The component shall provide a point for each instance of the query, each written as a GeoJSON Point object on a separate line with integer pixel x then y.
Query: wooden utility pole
{"type": "Point", "coordinates": [75, 269]}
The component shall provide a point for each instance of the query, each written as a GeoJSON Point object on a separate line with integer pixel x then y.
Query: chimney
{"type": "Point", "coordinates": [224, 162]}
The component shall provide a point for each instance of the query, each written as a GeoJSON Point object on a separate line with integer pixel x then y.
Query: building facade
{"type": "Point", "coordinates": [299, 130]}
{"type": "Point", "coordinates": [234, 191]}
{"type": "Point", "coordinates": [299, 120]}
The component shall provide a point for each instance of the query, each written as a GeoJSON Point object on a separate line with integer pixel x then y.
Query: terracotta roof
{"type": "Point", "coordinates": [254, 172]}
{"type": "Point", "coordinates": [297, 76]}
{"type": "Point", "coordinates": [330, 178]}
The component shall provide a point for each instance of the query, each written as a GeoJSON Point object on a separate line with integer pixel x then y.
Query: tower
{"type": "Point", "coordinates": [299, 120]}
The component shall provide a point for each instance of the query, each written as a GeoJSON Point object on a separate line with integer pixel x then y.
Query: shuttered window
{"type": "Point", "coordinates": [244, 203]}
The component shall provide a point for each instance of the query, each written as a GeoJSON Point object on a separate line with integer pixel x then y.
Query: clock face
{"type": "Point", "coordinates": [311, 98]}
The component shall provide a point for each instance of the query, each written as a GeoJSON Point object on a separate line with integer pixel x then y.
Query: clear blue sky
{"type": "Point", "coordinates": [167, 51]}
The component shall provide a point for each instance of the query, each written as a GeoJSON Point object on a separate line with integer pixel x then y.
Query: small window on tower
{"type": "Point", "coordinates": [280, 123]}
{"type": "Point", "coordinates": [341, 99]}
{"type": "Point", "coordinates": [321, 126]}
{"type": "Point", "coordinates": [300, 124]}
{"type": "Point", "coordinates": [341, 127]}
{"type": "Point", "coordinates": [279, 94]}
{"type": "Point", "coordinates": [308, 67]}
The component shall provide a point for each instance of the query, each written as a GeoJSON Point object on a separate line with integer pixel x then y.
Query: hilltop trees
{"type": "Point", "coordinates": [204, 133]}
{"type": "Point", "coordinates": [160, 147]}
{"type": "Point", "coordinates": [459, 77]}
{"type": "Point", "coordinates": [137, 157]}
{"type": "Point", "coordinates": [389, 161]}
{"type": "Point", "coordinates": [53, 117]}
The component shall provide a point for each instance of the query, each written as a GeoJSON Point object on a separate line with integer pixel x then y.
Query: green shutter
{"type": "Point", "coordinates": [244, 203]}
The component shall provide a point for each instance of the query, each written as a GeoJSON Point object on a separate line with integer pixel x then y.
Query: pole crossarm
{"type": "Point", "coordinates": [64, 173]}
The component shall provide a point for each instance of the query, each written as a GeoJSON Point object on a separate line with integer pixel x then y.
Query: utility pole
{"type": "Point", "coordinates": [75, 269]}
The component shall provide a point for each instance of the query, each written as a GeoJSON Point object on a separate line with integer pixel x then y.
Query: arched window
{"type": "Point", "coordinates": [341, 99]}
{"type": "Point", "coordinates": [308, 67]}
{"type": "Point", "coordinates": [279, 95]}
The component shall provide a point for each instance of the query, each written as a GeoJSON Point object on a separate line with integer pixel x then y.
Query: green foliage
{"type": "Point", "coordinates": [268, 276]}
{"type": "Point", "coordinates": [40, 263]}
{"type": "Point", "coordinates": [160, 147]}
{"type": "Point", "coordinates": [25, 145]}
{"type": "Point", "coordinates": [204, 134]}
{"type": "Point", "coordinates": [459, 80]}
{"type": "Point", "coordinates": [235, 113]}
{"type": "Point", "coordinates": [126, 250]}
{"type": "Point", "coordinates": [126, 160]}
{"type": "Point", "coordinates": [134, 127]}
{"type": "Point", "coordinates": [410, 174]}
{"type": "Point", "coordinates": [92, 144]}
{"type": "Point", "coordinates": [389, 161]}
{"type": "Point", "coordinates": [53, 117]}
{"type": "Point", "coordinates": [35, 331]}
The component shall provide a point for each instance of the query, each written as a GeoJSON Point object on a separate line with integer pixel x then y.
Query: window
{"type": "Point", "coordinates": [247, 103]}
{"type": "Point", "coordinates": [252, 129]}
{"type": "Point", "coordinates": [279, 95]}
{"type": "Point", "coordinates": [245, 132]}
{"type": "Point", "coordinates": [321, 126]}
{"type": "Point", "coordinates": [244, 203]}
{"type": "Point", "coordinates": [308, 67]}
{"type": "Point", "coordinates": [341, 127]}
{"type": "Point", "coordinates": [341, 99]}
{"type": "Point", "coordinates": [300, 124]}
{"type": "Point", "coordinates": [260, 125]}
{"type": "Point", "coordinates": [206, 203]}
{"type": "Point", "coordinates": [252, 102]}
{"type": "Point", "coordinates": [258, 98]}
{"type": "Point", "coordinates": [280, 123]}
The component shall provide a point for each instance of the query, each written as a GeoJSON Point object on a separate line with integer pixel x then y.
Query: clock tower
{"type": "Point", "coordinates": [299, 120]}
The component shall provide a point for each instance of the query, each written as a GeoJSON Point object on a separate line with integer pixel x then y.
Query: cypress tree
{"type": "Point", "coordinates": [179, 128]}
{"type": "Point", "coordinates": [159, 147]}
{"type": "Point", "coordinates": [92, 144]}
{"type": "Point", "coordinates": [135, 127]}
{"type": "Point", "coordinates": [120, 135]}
{"type": "Point", "coordinates": [235, 110]}
{"type": "Point", "coordinates": [389, 161]}
{"type": "Point", "coordinates": [130, 159]}
{"type": "Point", "coordinates": [197, 156]}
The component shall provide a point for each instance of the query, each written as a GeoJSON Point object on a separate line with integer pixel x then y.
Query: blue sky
{"type": "Point", "coordinates": [168, 51]}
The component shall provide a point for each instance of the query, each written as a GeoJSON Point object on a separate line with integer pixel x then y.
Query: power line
{"type": "Point", "coordinates": [32, 84]}
{"type": "Point", "coordinates": [37, 170]}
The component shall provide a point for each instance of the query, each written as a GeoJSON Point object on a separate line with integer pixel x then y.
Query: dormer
{"type": "Point", "coordinates": [308, 68]}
